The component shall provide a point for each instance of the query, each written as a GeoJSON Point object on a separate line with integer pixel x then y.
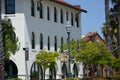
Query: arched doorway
{"type": "Point", "coordinates": [64, 71]}
{"type": "Point", "coordinates": [75, 71]}
{"type": "Point", "coordinates": [36, 72]}
{"type": "Point", "coordinates": [11, 70]}
{"type": "Point", "coordinates": [52, 72]}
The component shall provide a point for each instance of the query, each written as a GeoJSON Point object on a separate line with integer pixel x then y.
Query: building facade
{"type": "Point", "coordinates": [40, 24]}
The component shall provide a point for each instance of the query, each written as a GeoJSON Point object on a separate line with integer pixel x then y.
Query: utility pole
{"type": "Point", "coordinates": [68, 29]}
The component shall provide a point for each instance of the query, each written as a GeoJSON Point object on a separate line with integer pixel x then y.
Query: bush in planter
{"type": "Point", "coordinates": [115, 77]}
{"type": "Point", "coordinates": [72, 79]}
{"type": "Point", "coordinates": [14, 79]}
{"type": "Point", "coordinates": [99, 78]}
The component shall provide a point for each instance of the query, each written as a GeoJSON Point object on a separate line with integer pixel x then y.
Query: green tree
{"type": "Point", "coordinates": [74, 46]}
{"type": "Point", "coordinates": [89, 53]}
{"type": "Point", "coordinates": [9, 37]}
{"type": "Point", "coordinates": [116, 64]}
{"type": "Point", "coordinates": [93, 53]}
{"type": "Point", "coordinates": [46, 59]}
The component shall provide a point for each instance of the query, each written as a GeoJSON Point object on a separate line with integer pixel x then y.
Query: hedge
{"type": "Point", "coordinates": [14, 79]}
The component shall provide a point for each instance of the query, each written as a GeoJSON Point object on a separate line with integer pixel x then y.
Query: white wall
{"type": "Point", "coordinates": [25, 24]}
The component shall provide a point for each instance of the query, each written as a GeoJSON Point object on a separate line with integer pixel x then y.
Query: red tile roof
{"type": "Point", "coordinates": [77, 7]}
{"type": "Point", "coordinates": [92, 36]}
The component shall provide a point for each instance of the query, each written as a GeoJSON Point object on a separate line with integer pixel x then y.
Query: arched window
{"type": "Point", "coordinates": [75, 71]}
{"type": "Point", "coordinates": [33, 40]}
{"type": "Point", "coordinates": [10, 6]}
{"type": "Point", "coordinates": [52, 72]}
{"type": "Point", "coordinates": [67, 16]}
{"type": "Point", "coordinates": [64, 71]}
{"type": "Point", "coordinates": [77, 19]}
{"type": "Point", "coordinates": [62, 42]}
{"type": "Point", "coordinates": [48, 13]}
{"type": "Point", "coordinates": [48, 43]}
{"type": "Point", "coordinates": [55, 43]}
{"type": "Point", "coordinates": [72, 19]}
{"type": "Point", "coordinates": [78, 44]}
{"type": "Point", "coordinates": [11, 69]}
{"type": "Point", "coordinates": [32, 8]}
{"type": "Point", "coordinates": [61, 16]}
{"type": "Point", "coordinates": [36, 72]}
{"type": "Point", "coordinates": [40, 8]}
{"type": "Point", "coordinates": [41, 41]}
{"type": "Point", "coordinates": [55, 14]}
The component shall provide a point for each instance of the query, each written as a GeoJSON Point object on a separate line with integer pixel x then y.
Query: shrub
{"type": "Point", "coordinates": [72, 79]}
{"type": "Point", "coordinates": [115, 77]}
{"type": "Point", "coordinates": [14, 79]}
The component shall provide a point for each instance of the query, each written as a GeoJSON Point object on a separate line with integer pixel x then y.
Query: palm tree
{"type": "Point", "coordinates": [1, 49]}
{"type": "Point", "coordinates": [115, 12]}
{"type": "Point", "coordinates": [108, 38]}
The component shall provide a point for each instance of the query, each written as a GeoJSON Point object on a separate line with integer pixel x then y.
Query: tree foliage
{"type": "Point", "coordinates": [10, 39]}
{"type": "Point", "coordinates": [116, 63]}
{"type": "Point", "coordinates": [73, 48]}
{"type": "Point", "coordinates": [46, 59]}
{"type": "Point", "coordinates": [93, 53]}
{"type": "Point", "coordinates": [89, 52]}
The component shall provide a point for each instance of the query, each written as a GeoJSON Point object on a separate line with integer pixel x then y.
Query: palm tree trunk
{"type": "Point", "coordinates": [1, 49]}
{"type": "Point", "coordinates": [107, 25]}
{"type": "Point", "coordinates": [119, 27]}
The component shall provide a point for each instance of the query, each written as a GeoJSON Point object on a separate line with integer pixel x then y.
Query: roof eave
{"type": "Point", "coordinates": [71, 6]}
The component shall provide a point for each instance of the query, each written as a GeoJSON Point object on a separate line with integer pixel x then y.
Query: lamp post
{"type": "Point", "coordinates": [68, 30]}
{"type": "Point", "coordinates": [26, 49]}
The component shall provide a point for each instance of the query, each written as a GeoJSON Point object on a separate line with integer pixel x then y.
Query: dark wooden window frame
{"type": "Point", "coordinates": [55, 14]}
{"type": "Point", "coordinates": [55, 43]}
{"type": "Point", "coordinates": [33, 40]}
{"type": "Point", "coordinates": [32, 8]}
{"type": "Point", "coordinates": [41, 41]}
{"type": "Point", "coordinates": [61, 16]}
{"type": "Point", "coordinates": [48, 43]}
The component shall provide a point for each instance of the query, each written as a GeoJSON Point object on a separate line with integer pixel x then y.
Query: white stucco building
{"type": "Point", "coordinates": [40, 24]}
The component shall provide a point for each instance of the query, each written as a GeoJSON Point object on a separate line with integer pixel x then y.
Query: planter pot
{"type": "Point", "coordinates": [99, 79]}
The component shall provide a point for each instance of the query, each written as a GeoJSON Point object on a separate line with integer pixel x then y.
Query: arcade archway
{"type": "Point", "coordinates": [75, 71]}
{"type": "Point", "coordinates": [64, 71]}
{"type": "Point", "coordinates": [11, 70]}
{"type": "Point", "coordinates": [36, 72]}
{"type": "Point", "coordinates": [52, 72]}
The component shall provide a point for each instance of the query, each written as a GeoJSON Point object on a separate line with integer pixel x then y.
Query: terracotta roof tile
{"type": "Point", "coordinates": [92, 36]}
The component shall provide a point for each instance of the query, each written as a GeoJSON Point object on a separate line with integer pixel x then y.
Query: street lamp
{"type": "Point", "coordinates": [26, 49]}
{"type": "Point", "coordinates": [68, 30]}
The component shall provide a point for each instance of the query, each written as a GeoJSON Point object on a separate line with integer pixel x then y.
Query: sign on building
{"type": "Point", "coordinates": [64, 57]}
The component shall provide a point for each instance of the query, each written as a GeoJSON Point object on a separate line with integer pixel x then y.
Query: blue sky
{"type": "Point", "coordinates": [92, 20]}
